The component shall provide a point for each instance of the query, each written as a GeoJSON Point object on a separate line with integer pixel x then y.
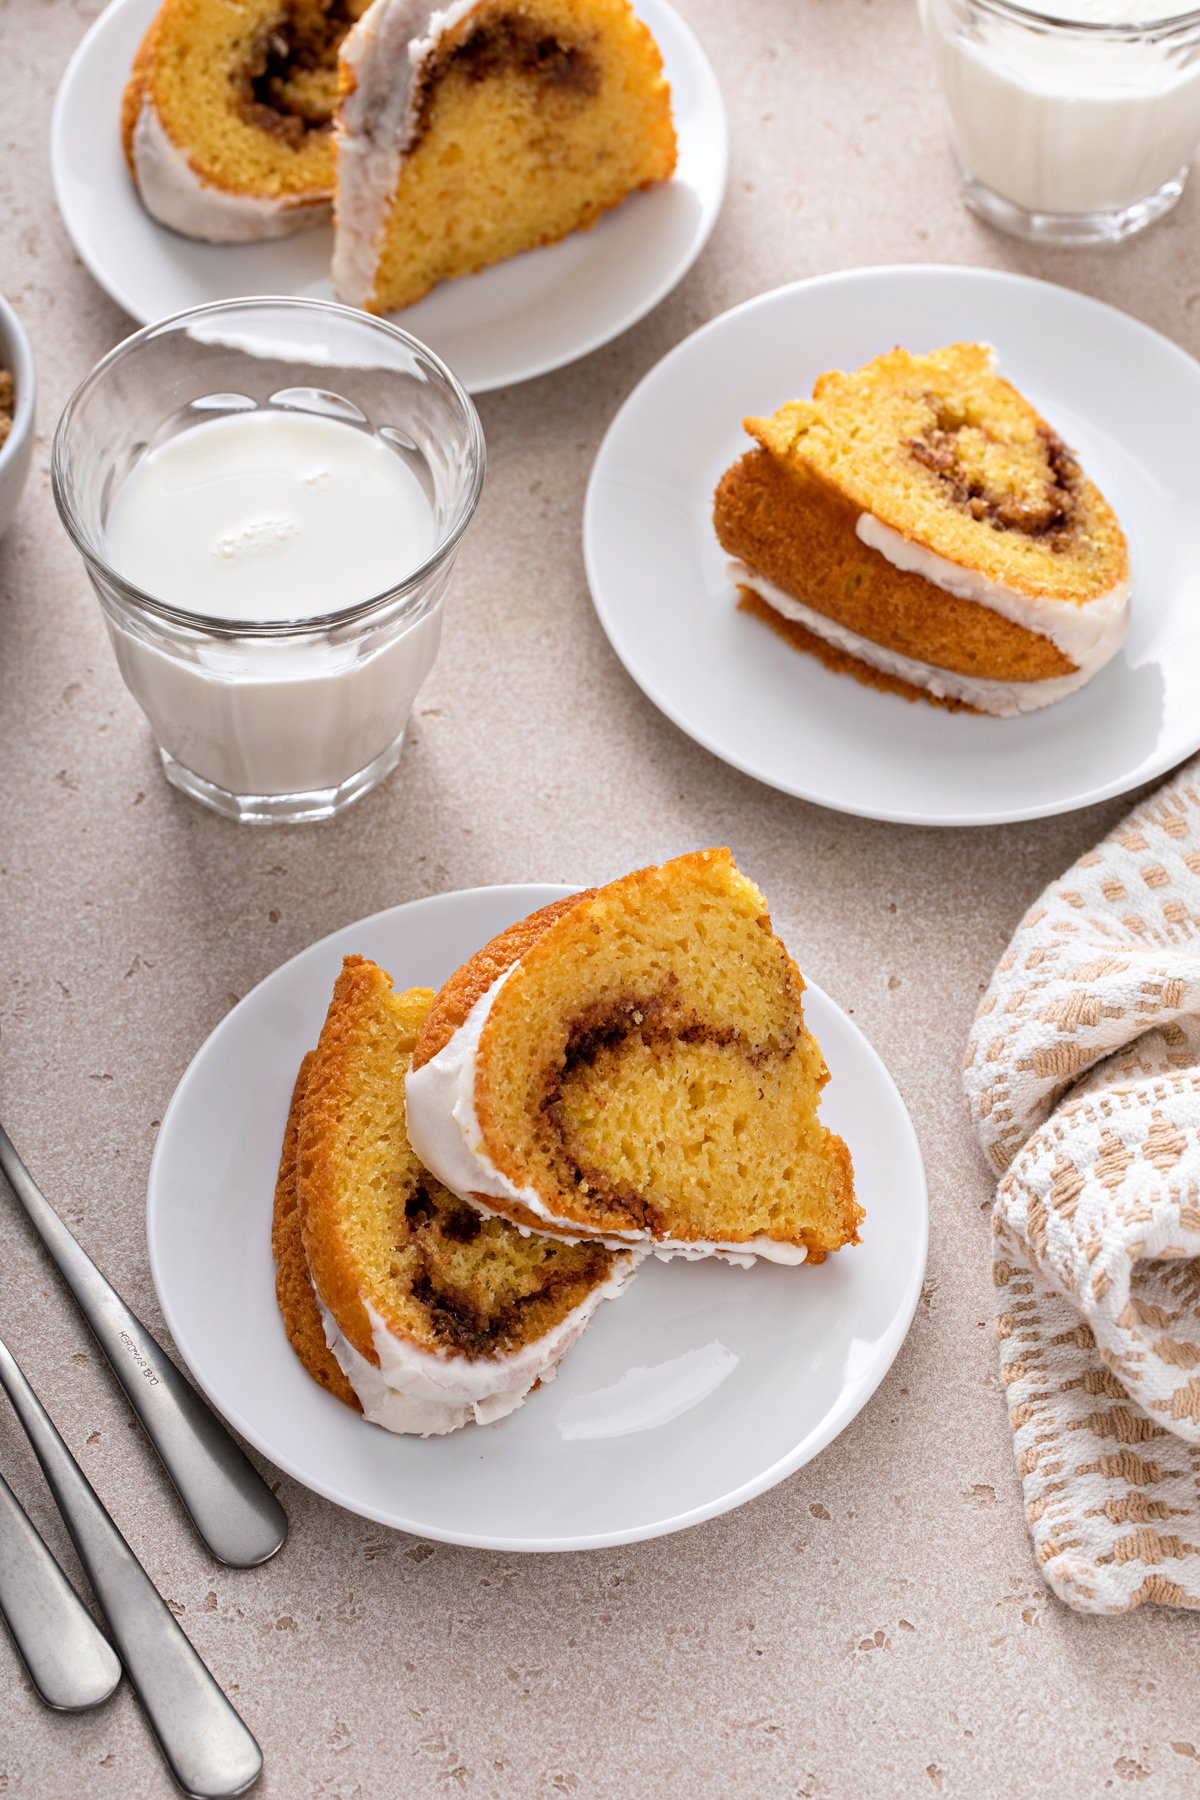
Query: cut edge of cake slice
{"type": "Point", "coordinates": [434, 1317]}
{"type": "Point", "coordinates": [600, 1071]}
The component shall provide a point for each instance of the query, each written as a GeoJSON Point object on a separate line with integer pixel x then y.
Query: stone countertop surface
{"type": "Point", "coordinates": [874, 1626]}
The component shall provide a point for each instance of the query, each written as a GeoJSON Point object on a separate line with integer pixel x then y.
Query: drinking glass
{"type": "Point", "coordinates": [1073, 122]}
{"type": "Point", "coordinates": [289, 718]}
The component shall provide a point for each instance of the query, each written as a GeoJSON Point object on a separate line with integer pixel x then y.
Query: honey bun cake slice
{"type": "Point", "coordinates": [631, 1065]}
{"type": "Point", "coordinates": [467, 134]}
{"type": "Point", "coordinates": [919, 525]}
{"type": "Point", "coordinates": [398, 1298]}
{"type": "Point", "coordinates": [227, 116]}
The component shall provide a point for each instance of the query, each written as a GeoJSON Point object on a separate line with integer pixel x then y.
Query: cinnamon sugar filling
{"type": "Point", "coordinates": [464, 1325]}
{"type": "Point", "coordinates": [509, 44]}
{"type": "Point", "coordinates": [457, 1316]}
{"type": "Point", "coordinates": [657, 1021]}
{"type": "Point", "coordinates": [288, 84]}
{"type": "Point", "coordinates": [1048, 512]}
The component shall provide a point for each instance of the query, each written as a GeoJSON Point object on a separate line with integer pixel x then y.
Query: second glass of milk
{"type": "Point", "coordinates": [1074, 121]}
{"type": "Point", "coordinates": [269, 496]}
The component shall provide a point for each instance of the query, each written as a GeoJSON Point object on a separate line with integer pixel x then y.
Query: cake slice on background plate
{"type": "Point", "coordinates": [398, 1298]}
{"type": "Point", "coordinates": [468, 134]}
{"type": "Point", "coordinates": [632, 1065]}
{"type": "Point", "coordinates": [227, 115]}
{"type": "Point", "coordinates": [917, 524]}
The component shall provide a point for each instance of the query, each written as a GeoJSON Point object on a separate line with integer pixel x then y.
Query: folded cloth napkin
{"type": "Point", "coordinates": [1083, 1081]}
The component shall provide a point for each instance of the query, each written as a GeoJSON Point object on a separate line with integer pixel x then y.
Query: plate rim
{"type": "Point", "coordinates": [875, 272]}
{"type": "Point", "coordinates": [712, 203]}
{"type": "Point", "coordinates": [839, 1417]}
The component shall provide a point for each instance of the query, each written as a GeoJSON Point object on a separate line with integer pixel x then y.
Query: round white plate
{"type": "Point", "coordinates": [1125, 398]}
{"type": "Point", "coordinates": [506, 324]}
{"type": "Point", "coordinates": [701, 1386]}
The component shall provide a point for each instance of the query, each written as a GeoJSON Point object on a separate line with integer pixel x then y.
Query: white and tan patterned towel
{"type": "Point", "coordinates": [1083, 1080]}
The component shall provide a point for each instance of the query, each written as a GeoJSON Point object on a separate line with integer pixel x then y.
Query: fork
{"type": "Point", "coordinates": [228, 1501]}
{"type": "Point", "coordinates": [69, 1661]}
{"type": "Point", "coordinates": [207, 1745]}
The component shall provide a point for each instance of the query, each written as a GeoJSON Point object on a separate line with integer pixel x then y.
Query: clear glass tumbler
{"type": "Point", "coordinates": [286, 719]}
{"type": "Point", "coordinates": [1073, 123]}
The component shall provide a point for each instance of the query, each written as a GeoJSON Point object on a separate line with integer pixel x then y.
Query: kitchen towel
{"type": "Point", "coordinates": [1083, 1081]}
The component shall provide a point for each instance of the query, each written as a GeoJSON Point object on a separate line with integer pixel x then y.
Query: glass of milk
{"type": "Point", "coordinates": [269, 495]}
{"type": "Point", "coordinates": [1073, 122]}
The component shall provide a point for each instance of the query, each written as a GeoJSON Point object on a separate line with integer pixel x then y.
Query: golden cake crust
{"type": "Point", "coordinates": [134, 93]}
{"type": "Point", "coordinates": [8, 403]}
{"type": "Point", "coordinates": [799, 533]}
{"type": "Point", "coordinates": [334, 1271]}
{"type": "Point", "coordinates": [470, 983]}
{"type": "Point", "coordinates": [293, 1286]}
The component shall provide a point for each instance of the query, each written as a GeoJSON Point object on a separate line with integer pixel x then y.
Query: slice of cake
{"type": "Point", "coordinates": [397, 1297]}
{"type": "Point", "coordinates": [468, 134]}
{"type": "Point", "coordinates": [632, 1064]}
{"type": "Point", "coordinates": [227, 116]}
{"type": "Point", "coordinates": [918, 525]}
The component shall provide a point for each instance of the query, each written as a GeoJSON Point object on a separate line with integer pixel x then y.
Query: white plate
{"type": "Point", "coordinates": [700, 1387]}
{"type": "Point", "coordinates": [516, 320]}
{"type": "Point", "coordinates": [1124, 397]}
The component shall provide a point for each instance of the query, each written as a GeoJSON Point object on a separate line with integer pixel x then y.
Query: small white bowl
{"type": "Point", "coordinates": [17, 450]}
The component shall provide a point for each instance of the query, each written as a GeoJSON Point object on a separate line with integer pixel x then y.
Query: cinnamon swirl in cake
{"type": "Point", "coordinates": [398, 1298]}
{"type": "Point", "coordinates": [918, 524]}
{"type": "Point", "coordinates": [631, 1065]}
{"type": "Point", "coordinates": [227, 116]}
{"type": "Point", "coordinates": [469, 133]}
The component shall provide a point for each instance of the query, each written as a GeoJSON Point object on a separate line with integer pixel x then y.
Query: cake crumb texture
{"type": "Point", "coordinates": [534, 117]}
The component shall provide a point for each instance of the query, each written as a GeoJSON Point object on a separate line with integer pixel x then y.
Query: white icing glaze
{"type": "Point", "coordinates": [1089, 633]}
{"type": "Point", "coordinates": [374, 124]}
{"type": "Point", "coordinates": [444, 1130]}
{"type": "Point", "coordinates": [422, 1393]}
{"type": "Point", "coordinates": [173, 193]}
{"type": "Point", "coordinates": [1003, 699]}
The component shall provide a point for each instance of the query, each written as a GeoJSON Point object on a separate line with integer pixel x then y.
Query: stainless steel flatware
{"type": "Point", "coordinates": [70, 1662]}
{"type": "Point", "coordinates": [208, 1748]}
{"type": "Point", "coordinates": [230, 1504]}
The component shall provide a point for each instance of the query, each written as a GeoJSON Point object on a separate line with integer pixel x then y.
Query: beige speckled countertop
{"type": "Point", "coordinates": [876, 1625]}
